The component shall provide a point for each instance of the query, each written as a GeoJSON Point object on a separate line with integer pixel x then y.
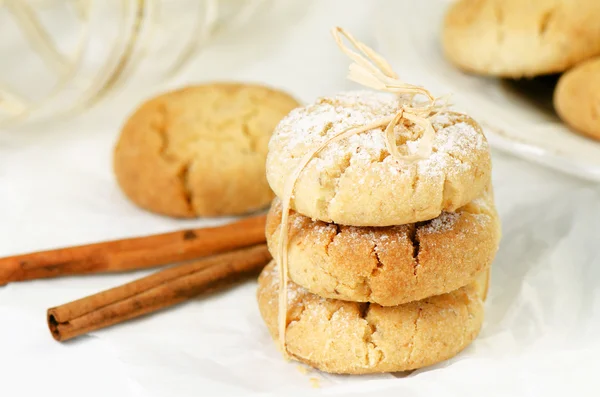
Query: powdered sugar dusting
{"type": "Point", "coordinates": [442, 223]}
{"type": "Point", "coordinates": [307, 127]}
{"type": "Point", "coordinates": [294, 291]}
{"type": "Point", "coordinates": [483, 203]}
{"type": "Point", "coordinates": [441, 120]}
{"type": "Point", "coordinates": [332, 312]}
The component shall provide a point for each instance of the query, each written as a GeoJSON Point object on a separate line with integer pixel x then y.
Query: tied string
{"type": "Point", "coordinates": [370, 70]}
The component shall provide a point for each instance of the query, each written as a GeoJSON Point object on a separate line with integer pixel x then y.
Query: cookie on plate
{"type": "Point", "coordinates": [389, 265]}
{"type": "Point", "coordinates": [359, 338]}
{"type": "Point", "coordinates": [356, 182]}
{"type": "Point", "coordinates": [200, 151]}
{"type": "Point", "coordinates": [577, 98]}
{"type": "Point", "coordinates": [516, 38]}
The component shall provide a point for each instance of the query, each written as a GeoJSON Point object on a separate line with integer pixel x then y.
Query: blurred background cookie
{"type": "Point", "coordinates": [200, 151]}
{"type": "Point", "coordinates": [577, 98]}
{"type": "Point", "coordinates": [515, 38]}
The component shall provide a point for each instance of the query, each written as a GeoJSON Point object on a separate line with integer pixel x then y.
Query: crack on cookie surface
{"type": "Point", "coordinates": [365, 282]}
{"type": "Point", "coordinates": [499, 16]}
{"type": "Point", "coordinates": [333, 313]}
{"type": "Point", "coordinates": [414, 336]}
{"type": "Point", "coordinates": [363, 310]}
{"type": "Point", "coordinates": [379, 263]}
{"type": "Point", "coordinates": [414, 239]}
{"type": "Point", "coordinates": [333, 236]}
{"type": "Point", "coordinates": [161, 126]}
{"type": "Point", "coordinates": [546, 20]}
{"type": "Point", "coordinates": [337, 281]}
{"type": "Point", "coordinates": [461, 161]}
{"type": "Point", "coordinates": [326, 128]}
{"type": "Point", "coordinates": [251, 139]}
{"type": "Point", "coordinates": [384, 154]}
{"type": "Point", "coordinates": [415, 181]}
{"type": "Point", "coordinates": [448, 192]}
{"type": "Point", "coordinates": [343, 165]}
{"type": "Point", "coordinates": [373, 355]}
{"type": "Point", "coordinates": [183, 176]}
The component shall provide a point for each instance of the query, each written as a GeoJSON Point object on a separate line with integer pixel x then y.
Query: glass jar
{"type": "Point", "coordinates": [60, 57]}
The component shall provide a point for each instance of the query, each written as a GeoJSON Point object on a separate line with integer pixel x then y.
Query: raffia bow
{"type": "Point", "coordinates": [370, 70]}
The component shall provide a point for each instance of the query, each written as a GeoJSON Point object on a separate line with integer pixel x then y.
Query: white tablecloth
{"type": "Point", "coordinates": [57, 189]}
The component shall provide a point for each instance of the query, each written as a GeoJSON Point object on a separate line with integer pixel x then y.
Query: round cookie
{"type": "Point", "coordinates": [516, 38]}
{"type": "Point", "coordinates": [200, 151]}
{"type": "Point", "coordinates": [389, 265]}
{"type": "Point", "coordinates": [359, 338]}
{"type": "Point", "coordinates": [577, 98]}
{"type": "Point", "coordinates": [356, 182]}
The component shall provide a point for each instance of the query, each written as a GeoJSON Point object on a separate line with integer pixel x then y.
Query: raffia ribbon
{"type": "Point", "coordinates": [370, 70]}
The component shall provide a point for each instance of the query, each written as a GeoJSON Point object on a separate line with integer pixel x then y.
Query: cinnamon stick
{"type": "Point", "coordinates": [159, 290]}
{"type": "Point", "coordinates": [133, 253]}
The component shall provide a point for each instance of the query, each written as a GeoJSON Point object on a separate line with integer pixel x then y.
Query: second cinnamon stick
{"type": "Point", "coordinates": [162, 289]}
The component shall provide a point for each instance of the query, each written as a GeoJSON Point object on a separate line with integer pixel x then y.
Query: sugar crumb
{"type": "Point", "coordinates": [442, 223]}
{"type": "Point", "coordinates": [315, 382]}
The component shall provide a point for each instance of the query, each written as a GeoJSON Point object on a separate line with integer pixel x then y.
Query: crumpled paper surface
{"type": "Point", "coordinates": [540, 335]}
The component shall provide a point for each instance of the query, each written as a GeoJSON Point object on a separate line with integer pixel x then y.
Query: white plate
{"type": "Point", "coordinates": [408, 35]}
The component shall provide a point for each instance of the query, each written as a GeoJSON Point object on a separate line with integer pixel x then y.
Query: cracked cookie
{"type": "Point", "coordinates": [389, 265]}
{"type": "Point", "coordinates": [516, 38]}
{"type": "Point", "coordinates": [577, 98]}
{"type": "Point", "coordinates": [359, 338]}
{"type": "Point", "coordinates": [356, 182]}
{"type": "Point", "coordinates": [200, 151]}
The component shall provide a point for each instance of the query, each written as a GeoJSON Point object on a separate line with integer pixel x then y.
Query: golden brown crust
{"type": "Point", "coordinates": [516, 38]}
{"type": "Point", "coordinates": [389, 265]}
{"type": "Point", "coordinates": [200, 151]}
{"type": "Point", "coordinates": [359, 338]}
{"type": "Point", "coordinates": [577, 98]}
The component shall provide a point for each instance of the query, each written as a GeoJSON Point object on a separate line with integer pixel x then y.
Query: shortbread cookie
{"type": "Point", "coordinates": [516, 38]}
{"type": "Point", "coordinates": [359, 338]}
{"type": "Point", "coordinates": [356, 182]}
{"type": "Point", "coordinates": [200, 151]}
{"type": "Point", "coordinates": [389, 265]}
{"type": "Point", "coordinates": [577, 98]}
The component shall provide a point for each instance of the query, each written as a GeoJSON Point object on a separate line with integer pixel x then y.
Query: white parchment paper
{"type": "Point", "coordinates": [540, 335]}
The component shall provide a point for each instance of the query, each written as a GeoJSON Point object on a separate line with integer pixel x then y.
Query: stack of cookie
{"type": "Point", "coordinates": [388, 262]}
{"type": "Point", "coordinates": [516, 39]}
